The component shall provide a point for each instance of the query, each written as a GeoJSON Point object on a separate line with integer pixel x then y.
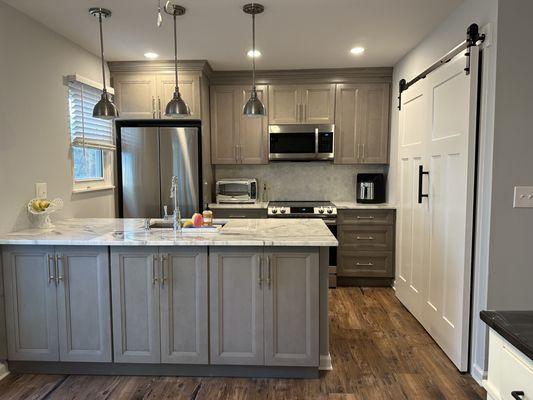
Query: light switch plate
{"type": "Point", "coordinates": [523, 197]}
{"type": "Point", "coordinates": [41, 190]}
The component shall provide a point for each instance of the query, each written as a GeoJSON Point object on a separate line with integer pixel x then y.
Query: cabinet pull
{"type": "Point", "coordinates": [51, 276]}
{"type": "Point", "coordinates": [358, 151]}
{"type": "Point", "coordinates": [260, 275]}
{"type": "Point", "coordinates": [269, 272]}
{"type": "Point", "coordinates": [237, 216]}
{"type": "Point", "coordinates": [154, 276]}
{"type": "Point", "coordinates": [303, 112]}
{"type": "Point", "coordinates": [163, 258]}
{"type": "Point", "coordinates": [159, 105]}
{"type": "Point", "coordinates": [364, 264]}
{"type": "Point", "coordinates": [153, 106]}
{"type": "Point", "coordinates": [518, 394]}
{"type": "Point", "coordinates": [369, 217]}
{"type": "Point", "coordinates": [235, 153]}
{"type": "Point", "coordinates": [365, 237]}
{"type": "Point", "coordinates": [364, 152]}
{"type": "Point", "coordinates": [59, 275]}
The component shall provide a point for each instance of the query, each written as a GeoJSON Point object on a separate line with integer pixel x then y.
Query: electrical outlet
{"type": "Point", "coordinates": [523, 197]}
{"type": "Point", "coordinates": [41, 190]}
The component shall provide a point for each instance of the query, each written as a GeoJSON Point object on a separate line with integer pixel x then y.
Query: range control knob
{"type": "Point", "coordinates": [274, 211]}
{"type": "Point", "coordinates": [321, 210]}
{"type": "Point", "coordinates": [282, 211]}
{"type": "Point", "coordinates": [330, 210]}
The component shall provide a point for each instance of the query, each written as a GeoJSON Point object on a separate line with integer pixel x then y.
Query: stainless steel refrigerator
{"type": "Point", "coordinates": [149, 153]}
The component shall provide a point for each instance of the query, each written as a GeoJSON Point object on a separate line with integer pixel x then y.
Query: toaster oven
{"type": "Point", "coordinates": [236, 191]}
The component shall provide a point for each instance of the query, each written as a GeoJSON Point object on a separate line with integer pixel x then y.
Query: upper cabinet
{"type": "Point", "coordinates": [362, 123]}
{"type": "Point", "coordinates": [237, 139]}
{"type": "Point", "coordinates": [301, 104]}
{"type": "Point", "coordinates": [145, 95]}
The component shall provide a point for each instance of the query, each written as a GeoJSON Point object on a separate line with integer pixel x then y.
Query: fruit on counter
{"type": "Point", "coordinates": [40, 205]}
{"type": "Point", "coordinates": [188, 224]}
{"type": "Point", "coordinates": [197, 220]}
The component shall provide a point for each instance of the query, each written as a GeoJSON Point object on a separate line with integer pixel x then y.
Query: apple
{"type": "Point", "coordinates": [197, 220]}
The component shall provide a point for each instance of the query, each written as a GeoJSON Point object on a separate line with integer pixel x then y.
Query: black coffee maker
{"type": "Point", "coordinates": [370, 188]}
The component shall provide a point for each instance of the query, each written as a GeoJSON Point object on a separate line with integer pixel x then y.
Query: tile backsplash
{"type": "Point", "coordinates": [301, 180]}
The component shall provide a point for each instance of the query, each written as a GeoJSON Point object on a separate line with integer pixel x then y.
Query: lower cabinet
{"type": "Point", "coordinates": [160, 310]}
{"type": "Point", "coordinates": [264, 306]}
{"type": "Point", "coordinates": [57, 303]}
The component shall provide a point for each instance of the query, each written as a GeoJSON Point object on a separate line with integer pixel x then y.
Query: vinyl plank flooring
{"type": "Point", "coordinates": [379, 352]}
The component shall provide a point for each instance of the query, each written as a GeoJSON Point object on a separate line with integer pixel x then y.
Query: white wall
{"type": "Point", "coordinates": [34, 137]}
{"type": "Point", "coordinates": [450, 33]}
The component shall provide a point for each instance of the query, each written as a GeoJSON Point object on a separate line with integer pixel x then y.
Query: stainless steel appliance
{"type": "Point", "coordinates": [301, 142]}
{"type": "Point", "coordinates": [370, 188]}
{"type": "Point", "coordinates": [236, 190]}
{"type": "Point", "coordinates": [149, 154]}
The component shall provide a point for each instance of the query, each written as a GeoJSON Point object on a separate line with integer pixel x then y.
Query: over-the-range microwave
{"type": "Point", "coordinates": [289, 142]}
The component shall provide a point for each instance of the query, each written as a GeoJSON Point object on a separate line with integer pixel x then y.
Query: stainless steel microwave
{"type": "Point", "coordinates": [236, 191]}
{"type": "Point", "coordinates": [301, 142]}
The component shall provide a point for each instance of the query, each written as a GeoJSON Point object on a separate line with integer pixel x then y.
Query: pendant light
{"type": "Point", "coordinates": [177, 106]}
{"type": "Point", "coordinates": [253, 107]}
{"type": "Point", "coordinates": [104, 109]}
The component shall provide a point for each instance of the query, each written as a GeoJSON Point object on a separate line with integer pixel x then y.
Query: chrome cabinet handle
{"type": "Point", "coordinates": [154, 276]}
{"type": "Point", "coordinates": [59, 275]}
{"type": "Point", "coordinates": [358, 151]}
{"type": "Point", "coordinates": [518, 394]}
{"type": "Point", "coordinates": [237, 216]}
{"type": "Point", "coordinates": [159, 106]}
{"type": "Point", "coordinates": [303, 112]}
{"type": "Point", "coordinates": [235, 153]}
{"type": "Point", "coordinates": [364, 155]}
{"type": "Point", "coordinates": [260, 276]}
{"type": "Point", "coordinates": [153, 106]}
{"type": "Point", "coordinates": [163, 258]}
{"type": "Point", "coordinates": [269, 272]}
{"type": "Point", "coordinates": [364, 264]}
{"type": "Point", "coordinates": [51, 276]}
{"type": "Point", "coordinates": [365, 237]}
{"type": "Point", "coordinates": [369, 217]}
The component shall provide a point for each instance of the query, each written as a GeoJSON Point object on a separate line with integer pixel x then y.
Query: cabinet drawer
{"type": "Point", "coordinates": [239, 213]}
{"type": "Point", "coordinates": [352, 237]}
{"type": "Point", "coordinates": [366, 217]}
{"type": "Point", "coordinates": [365, 264]}
{"type": "Point", "coordinates": [516, 373]}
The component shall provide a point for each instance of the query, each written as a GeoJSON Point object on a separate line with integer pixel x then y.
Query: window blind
{"type": "Point", "coordinates": [85, 130]}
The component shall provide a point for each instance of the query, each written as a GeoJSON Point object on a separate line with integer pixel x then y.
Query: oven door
{"type": "Point", "coordinates": [300, 142]}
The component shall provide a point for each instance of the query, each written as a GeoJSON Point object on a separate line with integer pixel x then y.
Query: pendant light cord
{"type": "Point", "coordinates": [253, 53]}
{"type": "Point", "coordinates": [102, 50]}
{"type": "Point", "coordinates": [176, 53]}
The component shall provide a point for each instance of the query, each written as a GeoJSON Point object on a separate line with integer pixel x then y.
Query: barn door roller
{"type": "Point", "coordinates": [473, 38]}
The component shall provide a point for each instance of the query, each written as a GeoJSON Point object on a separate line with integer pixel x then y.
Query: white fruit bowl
{"type": "Point", "coordinates": [41, 219]}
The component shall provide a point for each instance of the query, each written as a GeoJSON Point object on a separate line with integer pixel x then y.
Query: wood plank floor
{"type": "Point", "coordinates": [379, 351]}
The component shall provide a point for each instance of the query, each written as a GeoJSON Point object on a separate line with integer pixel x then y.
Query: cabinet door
{"type": "Point", "coordinates": [135, 295]}
{"type": "Point", "coordinates": [284, 104]}
{"type": "Point", "coordinates": [318, 104]}
{"type": "Point", "coordinates": [236, 306]}
{"type": "Point", "coordinates": [224, 125]}
{"type": "Point", "coordinates": [31, 303]}
{"type": "Point", "coordinates": [253, 131]}
{"type": "Point", "coordinates": [135, 95]}
{"type": "Point", "coordinates": [84, 304]}
{"type": "Point", "coordinates": [348, 124]}
{"type": "Point", "coordinates": [189, 88]}
{"type": "Point", "coordinates": [291, 307]}
{"type": "Point", "coordinates": [375, 110]}
{"type": "Point", "coordinates": [184, 315]}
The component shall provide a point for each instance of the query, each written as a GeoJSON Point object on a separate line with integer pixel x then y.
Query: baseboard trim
{"type": "Point", "coordinates": [325, 363]}
{"type": "Point", "coordinates": [478, 373]}
{"type": "Point", "coordinates": [3, 370]}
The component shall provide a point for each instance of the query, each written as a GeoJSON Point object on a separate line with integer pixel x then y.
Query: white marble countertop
{"type": "Point", "coordinates": [130, 232]}
{"type": "Point", "coordinates": [259, 205]}
{"type": "Point", "coordinates": [352, 205]}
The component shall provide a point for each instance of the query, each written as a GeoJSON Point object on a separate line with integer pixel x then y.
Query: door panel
{"type": "Point", "coordinates": [135, 294]}
{"type": "Point", "coordinates": [348, 124]}
{"type": "Point", "coordinates": [284, 104]}
{"type": "Point", "coordinates": [135, 95]}
{"type": "Point", "coordinates": [31, 303]}
{"type": "Point", "coordinates": [224, 125]}
{"type": "Point", "coordinates": [375, 144]}
{"type": "Point", "coordinates": [140, 172]}
{"type": "Point", "coordinates": [84, 304]}
{"type": "Point", "coordinates": [236, 299]}
{"type": "Point", "coordinates": [253, 132]}
{"type": "Point", "coordinates": [319, 104]}
{"type": "Point", "coordinates": [184, 313]}
{"type": "Point", "coordinates": [291, 308]}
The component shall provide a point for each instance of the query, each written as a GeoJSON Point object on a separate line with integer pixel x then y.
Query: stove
{"type": "Point", "coordinates": [302, 209]}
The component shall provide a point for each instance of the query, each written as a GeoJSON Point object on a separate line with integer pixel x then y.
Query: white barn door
{"type": "Point", "coordinates": [441, 255]}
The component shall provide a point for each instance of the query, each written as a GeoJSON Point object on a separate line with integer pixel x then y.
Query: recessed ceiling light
{"type": "Point", "coordinates": [255, 53]}
{"type": "Point", "coordinates": [151, 55]}
{"type": "Point", "coordinates": [357, 50]}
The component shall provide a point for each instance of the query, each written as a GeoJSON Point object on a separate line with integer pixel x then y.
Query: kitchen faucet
{"type": "Point", "coordinates": [176, 218]}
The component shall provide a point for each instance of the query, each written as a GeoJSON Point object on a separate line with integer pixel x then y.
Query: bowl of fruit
{"type": "Point", "coordinates": [40, 210]}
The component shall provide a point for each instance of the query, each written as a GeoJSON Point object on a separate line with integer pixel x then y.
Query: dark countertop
{"type": "Point", "coordinates": [515, 326]}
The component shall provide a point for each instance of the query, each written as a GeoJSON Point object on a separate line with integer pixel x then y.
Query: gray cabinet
{"type": "Point", "coordinates": [362, 123]}
{"type": "Point", "coordinates": [237, 139]}
{"type": "Point", "coordinates": [264, 306]}
{"type": "Point", "coordinates": [159, 305]}
{"type": "Point", "coordinates": [57, 303]}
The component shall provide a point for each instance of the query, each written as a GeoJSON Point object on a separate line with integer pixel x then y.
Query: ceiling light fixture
{"type": "Point", "coordinates": [253, 53]}
{"type": "Point", "coordinates": [151, 55]}
{"type": "Point", "coordinates": [253, 107]}
{"type": "Point", "coordinates": [357, 50]}
{"type": "Point", "coordinates": [176, 107]}
{"type": "Point", "coordinates": [104, 109]}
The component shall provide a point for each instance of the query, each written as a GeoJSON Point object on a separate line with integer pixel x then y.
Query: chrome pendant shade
{"type": "Point", "coordinates": [104, 109]}
{"type": "Point", "coordinates": [254, 107]}
{"type": "Point", "coordinates": [176, 107]}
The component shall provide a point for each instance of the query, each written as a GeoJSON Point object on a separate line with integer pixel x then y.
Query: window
{"type": "Point", "coordinates": [92, 139]}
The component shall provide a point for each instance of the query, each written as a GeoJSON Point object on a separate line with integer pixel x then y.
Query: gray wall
{"type": "Point", "coordinates": [34, 135]}
{"type": "Point", "coordinates": [301, 180]}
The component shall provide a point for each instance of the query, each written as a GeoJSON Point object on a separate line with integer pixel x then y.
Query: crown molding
{"type": "Point", "coordinates": [161, 66]}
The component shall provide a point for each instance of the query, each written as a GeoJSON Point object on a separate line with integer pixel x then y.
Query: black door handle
{"type": "Point", "coordinates": [421, 173]}
{"type": "Point", "coordinates": [518, 394]}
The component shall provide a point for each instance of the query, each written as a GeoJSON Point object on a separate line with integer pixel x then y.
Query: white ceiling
{"type": "Point", "coordinates": [290, 33]}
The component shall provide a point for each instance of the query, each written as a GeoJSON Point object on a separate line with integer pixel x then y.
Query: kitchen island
{"type": "Point", "coordinates": [106, 296]}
